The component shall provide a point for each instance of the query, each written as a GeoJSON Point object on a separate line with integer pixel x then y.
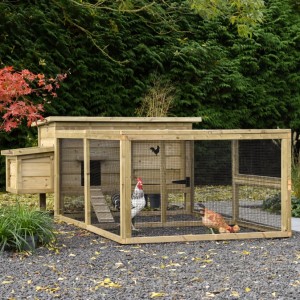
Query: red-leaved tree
{"type": "Point", "coordinates": [15, 88]}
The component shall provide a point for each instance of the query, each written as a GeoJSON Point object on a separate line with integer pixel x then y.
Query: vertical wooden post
{"type": "Point", "coordinates": [125, 188]}
{"type": "Point", "coordinates": [42, 198]}
{"type": "Point", "coordinates": [87, 172]}
{"type": "Point", "coordinates": [57, 188]}
{"type": "Point", "coordinates": [235, 172]}
{"type": "Point", "coordinates": [286, 184]}
{"type": "Point", "coordinates": [190, 166]}
{"type": "Point", "coordinates": [7, 172]}
{"type": "Point", "coordinates": [183, 172]}
{"type": "Point", "coordinates": [163, 183]}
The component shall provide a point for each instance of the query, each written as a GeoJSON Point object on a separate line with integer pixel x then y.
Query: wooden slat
{"type": "Point", "coordinates": [235, 173]}
{"type": "Point", "coordinates": [125, 188]}
{"type": "Point", "coordinates": [27, 151]}
{"type": "Point", "coordinates": [57, 119]}
{"type": "Point", "coordinates": [99, 204]}
{"type": "Point", "coordinates": [86, 175]}
{"type": "Point", "coordinates": [142, 162]}
{"type": "Point", "coordinates": [57, 205]}
{"type": "Point", "coordinates": [255, 180]}
{"type": "Point", "coordinates": [168, 224]}
{"type": "Point", "coordinates": [173, 135]}
{"type": "Point", "coordinates": [286, 185]}
{"type": "Point", "coordinates": [91, 228]}
{"type": "Point", "coordinates": [206, 237]}
{"type": "Point", "coordinates": [162, 183]}
{"type": "Point", "coordinates": [36, 169]}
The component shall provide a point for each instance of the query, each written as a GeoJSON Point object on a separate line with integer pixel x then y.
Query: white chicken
{"type": "Point", "coordinates": [138, 201]}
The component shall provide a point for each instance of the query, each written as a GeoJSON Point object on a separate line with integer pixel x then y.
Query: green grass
{"type": "Point", "coordinates": [23, 227]}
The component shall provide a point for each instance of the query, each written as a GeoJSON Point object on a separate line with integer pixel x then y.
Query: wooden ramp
{"type": "Point", "coordinates": [100, 206]}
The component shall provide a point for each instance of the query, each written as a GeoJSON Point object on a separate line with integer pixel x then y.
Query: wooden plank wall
{"type": "Point", "coordinates": [71, 158]}
{"type": "Point", "coordinates": [148, 165]}
{"type": "Point", "coordinates": [145, 164]}
{"type": "Point", "coordinates": [30, 173]}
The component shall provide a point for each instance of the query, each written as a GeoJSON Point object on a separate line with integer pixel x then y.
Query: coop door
{"type": "Point", "coordinates": [165, 168]}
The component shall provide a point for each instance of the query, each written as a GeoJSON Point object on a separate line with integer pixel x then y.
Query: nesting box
{"type": "Point", "coordinates": [29, 170]}
{"type": "Point", "coordinates": [235, 173]}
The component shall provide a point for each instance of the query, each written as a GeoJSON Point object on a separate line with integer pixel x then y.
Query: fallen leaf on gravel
{"type": "Point", "coordinates": [247, 289]}
{"type": "Point", "coordinates": [119, 264]}
{"type": "Point", "coordinates": [7, 281]}
{"type": "Point", "coordinates": [71, 254]}
{"type": "Point", "coordinates": [107, 283]}
{"type": "Point", "coordinates": [173, 265]}
{"type": "Point", "coordinates": [156, 295]}
{"type": "Point", "coordinates": [295, 283]}
{"type": "Point", "coordinates": [196, 258]}
{"type": "Point", "coordinates": [245, 252]}
{"type": "Point", "coordinates": [209, 294]}
{"type": "Point", "coordinates": [235, 294]}
{"type": "Point", "coordinates": [197, 279]}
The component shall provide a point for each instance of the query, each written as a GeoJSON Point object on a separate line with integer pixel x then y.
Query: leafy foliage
{"type": "Point", "coordinates": [229, 80]}
{"type": "Point", "coordinates": [245, 14]}
{"type": "Point", "coordinates": [22, 228]}
{"type": "Point", "coordinates": [15, 87]}
{"type": "Point", "coordinates": [273, 204]}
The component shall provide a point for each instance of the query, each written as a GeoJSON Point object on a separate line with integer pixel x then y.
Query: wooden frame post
{"type": "Point", "coordinates": [163, 190]}
{"type": "Point", "coordinates": [235, 186]}
{"type": "Point", "coordinates": [87, 187]}
{"type": "Point", "coordinates": [57, 192]}
{"type": "Point", "coordinates": [125, 188]}
{"type": "Point", "coordinates": [286, 184]}
{"type": "Point", "coordinates": [191, 173]}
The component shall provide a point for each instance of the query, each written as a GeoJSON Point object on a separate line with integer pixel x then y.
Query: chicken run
{"type": "Point", "coordinates": [151, 180]}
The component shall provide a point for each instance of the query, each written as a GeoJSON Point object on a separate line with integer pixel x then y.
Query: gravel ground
{"type": "Point", "coordinates": [85, 266]}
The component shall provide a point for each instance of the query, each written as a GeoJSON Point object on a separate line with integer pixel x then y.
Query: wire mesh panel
{"type": "Point", "coordinates": [231, 178]}
{"type": "Point", "coordinates": [184, 187]}
{"type": "Point", "coordinates": [105, 183]}
{"type": "Point", "coordinates": [166, 170]}
{"type": "Point", "coordinates": [71, 178]}
{"type": "Point", "coordinates": [259, 182]}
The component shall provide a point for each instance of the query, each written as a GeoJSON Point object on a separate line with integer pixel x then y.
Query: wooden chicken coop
{"type": "Point", "coordinates": [90, 161]}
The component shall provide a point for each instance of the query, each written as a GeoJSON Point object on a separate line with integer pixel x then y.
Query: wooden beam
{"type": "Point", "coordinates": [27, 151]}
{"type": "Point", "coordinates": [57, 187]}
{"type": "Point", "coordinates": [167, 134]}
{"type": "Point", "coordinates": [91, 228]}
{"type": "Point", "coordinates": [235, 186]}
{"type": "Point", "coordinates": [206, 237]}
{"type": "Point", "coordinates": [87, 187]}
{"type": "Point", "coordinates": [163, 190]}
{"type": "Point", "coordinates": [112, 120]}
{"type": "Point", "coordinates": [255, 180]}
{"type": "Point", "coordinates": [286, 185]}
{"type": "Point", "coordinates": [125, 187]}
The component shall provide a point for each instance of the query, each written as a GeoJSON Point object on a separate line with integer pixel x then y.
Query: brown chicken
{"type": "Point", "coordinates": [213, 220]}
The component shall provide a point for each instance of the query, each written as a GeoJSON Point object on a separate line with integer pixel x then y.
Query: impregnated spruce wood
{"type": "Point", "coordinates": [286, 185]}
{"type": "Point", "coordinates": [151, 129]}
